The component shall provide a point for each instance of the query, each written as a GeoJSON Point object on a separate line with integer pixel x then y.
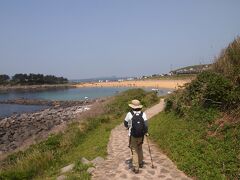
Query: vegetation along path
{"type": "Point", "coordinates": [115, 166]}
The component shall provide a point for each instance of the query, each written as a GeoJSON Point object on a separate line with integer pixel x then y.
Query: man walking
{"type": "Point", "coordinates": [136, 122]}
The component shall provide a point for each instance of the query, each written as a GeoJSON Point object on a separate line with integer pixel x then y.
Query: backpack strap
{"type": "Point", "coordinates": [141, 114]}
{"type": "Point", "coordinates": [132, 113]}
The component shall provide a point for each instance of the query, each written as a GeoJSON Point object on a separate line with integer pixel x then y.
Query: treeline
{"type": "Point", "coordinates": [31, 79]}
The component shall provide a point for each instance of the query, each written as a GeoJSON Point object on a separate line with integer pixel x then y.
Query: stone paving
{"type": "Point", "coordinates": [116, 167]}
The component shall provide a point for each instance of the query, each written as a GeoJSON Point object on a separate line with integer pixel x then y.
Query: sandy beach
{"type": "Point", "coordinates": [138, 83]}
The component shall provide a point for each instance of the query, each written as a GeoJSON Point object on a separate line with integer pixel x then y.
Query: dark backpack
{"type": "Point", "coordinates": [138, 126]}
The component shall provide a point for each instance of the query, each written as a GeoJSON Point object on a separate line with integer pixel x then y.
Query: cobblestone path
{"type": "Point", "coordinates": [116, 167]}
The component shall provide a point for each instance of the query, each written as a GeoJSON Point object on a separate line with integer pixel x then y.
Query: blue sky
{"type": "Point", "coordinates": [94, 38]}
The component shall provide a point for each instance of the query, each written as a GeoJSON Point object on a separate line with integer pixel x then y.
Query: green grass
{"type": "Point", "coordinates": [89, 147]}
{"type": "Point", "coordinates": [89, 139]}
{"type": "Point", "coordinates": [201, 129]}
{"type": "Point", "coordinates": [188, 144]}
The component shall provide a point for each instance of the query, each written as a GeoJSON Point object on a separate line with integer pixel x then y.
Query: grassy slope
{"type": "Point", "coordinates": [202, 142]}
{"type": "Point", "coordinates": [89, 147]}
{"type": "Point", "coordinates": [201, 129]}
{"type": "Point", "coordinates": [195, 67]}
{"type": "Point", "coordinates": [44, 160]}
{"type": "Point", "coordinates": [188, 143]}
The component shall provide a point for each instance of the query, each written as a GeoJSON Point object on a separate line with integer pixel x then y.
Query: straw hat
{"type": "Point", "coordinates": [135, 104]}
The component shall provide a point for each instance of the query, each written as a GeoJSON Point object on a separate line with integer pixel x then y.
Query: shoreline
{"type": "Point", "coordinates": [44, 102]}
{"type": "Point", "coordinates": [163, 83]}
{"type": "Point", "coordinates": [27, 88]}
{"type": "Point", "coordinates": [47, 103]}
{"type": "Point", "coordinates": [21, 130]}
{"type": "Point", "coordinates": [174, 84]}
{"type": "Point", "coordinates": [17, 129]}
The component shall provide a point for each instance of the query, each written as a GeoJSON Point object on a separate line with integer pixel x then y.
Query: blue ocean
{"type": "Point", "coordinates": [62, 94]}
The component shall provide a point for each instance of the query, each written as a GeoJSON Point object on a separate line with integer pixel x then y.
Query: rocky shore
{"type": "Point", "coordinates": [16, 129]}
{"type": "Point", "coordinates": [28, 88]}
{"type": "Point", "coordinates": [43, 102]}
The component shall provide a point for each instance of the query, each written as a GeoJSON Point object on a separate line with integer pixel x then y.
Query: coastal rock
{"type": "Point", "coordinates": [53, 103]}
{"type": "Point", "coordinates": [7, 124]}
{"type": "Point", "coordinates": [2, 132]}
{"type": "Point", "coordinates": [97, 161]}
{"type": "Point", "coordinates": [62, 177]}
{"type": "Point", "coordinates": [17, 128]}
{"type": "Point", "coordinates": [5, 137]}
{"type": "Point", "coordinates": [67, 168]}
{"type": "Point", "coordinates": [90, 170]}
{"type": "Point", "coordinates": [85, 161]}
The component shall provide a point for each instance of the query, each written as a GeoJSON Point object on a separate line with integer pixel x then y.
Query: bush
{"type": "Point", "coordinates": [120, 105]}
{"type": "Point", "coordinates": [228, 63]}
{"type": "Point", "coordinates": [219, 87]}
{"type": "Point", "coordinates": [209, 89]}
{"type": "Point", "coordinates": [150, 99]}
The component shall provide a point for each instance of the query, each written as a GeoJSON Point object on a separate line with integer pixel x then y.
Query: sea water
{"type": "Point", "coordinates": [61, 94]}
{"type": "Point", "coordinates": [10, 109]}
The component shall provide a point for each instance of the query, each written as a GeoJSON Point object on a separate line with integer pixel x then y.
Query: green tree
{"type": "Point", "coordinates": [20, 79]}
{"type": "Point", "coordinates": [4, 79]}
{"type": "Point", "coordinates": [37, 79]}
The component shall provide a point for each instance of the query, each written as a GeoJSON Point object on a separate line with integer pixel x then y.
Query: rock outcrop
{"type": "Point", "coordinates": [14, 130]}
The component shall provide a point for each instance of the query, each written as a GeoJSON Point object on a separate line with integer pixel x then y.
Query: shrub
{"type": "Point", "coordinates": [219, 87]}
{"type": "Point", "coordinates": [177, 102]}
{"type": "Point", "coordinates": [119, 105]}
{"type": "Point", "coordinates": [209, 89]}
{"type": "Point", "coordinates": [149, 99]}
{"type": "Point", "coordinates": [228, 63]}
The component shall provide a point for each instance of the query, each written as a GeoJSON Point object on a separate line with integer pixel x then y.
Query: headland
{"type": "Point", "coordinates": [7, 88]}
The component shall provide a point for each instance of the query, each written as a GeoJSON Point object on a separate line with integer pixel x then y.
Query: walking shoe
{"type": "Point", "coordinates": [141, 164]}
{"type": "Point", "coordinates": [128, 161]}
{"type": "Point", "coordinates": [136, 171]}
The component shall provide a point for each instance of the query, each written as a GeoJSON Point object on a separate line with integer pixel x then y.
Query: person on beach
{"type": "Point", "coordinates": [136, 122]}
